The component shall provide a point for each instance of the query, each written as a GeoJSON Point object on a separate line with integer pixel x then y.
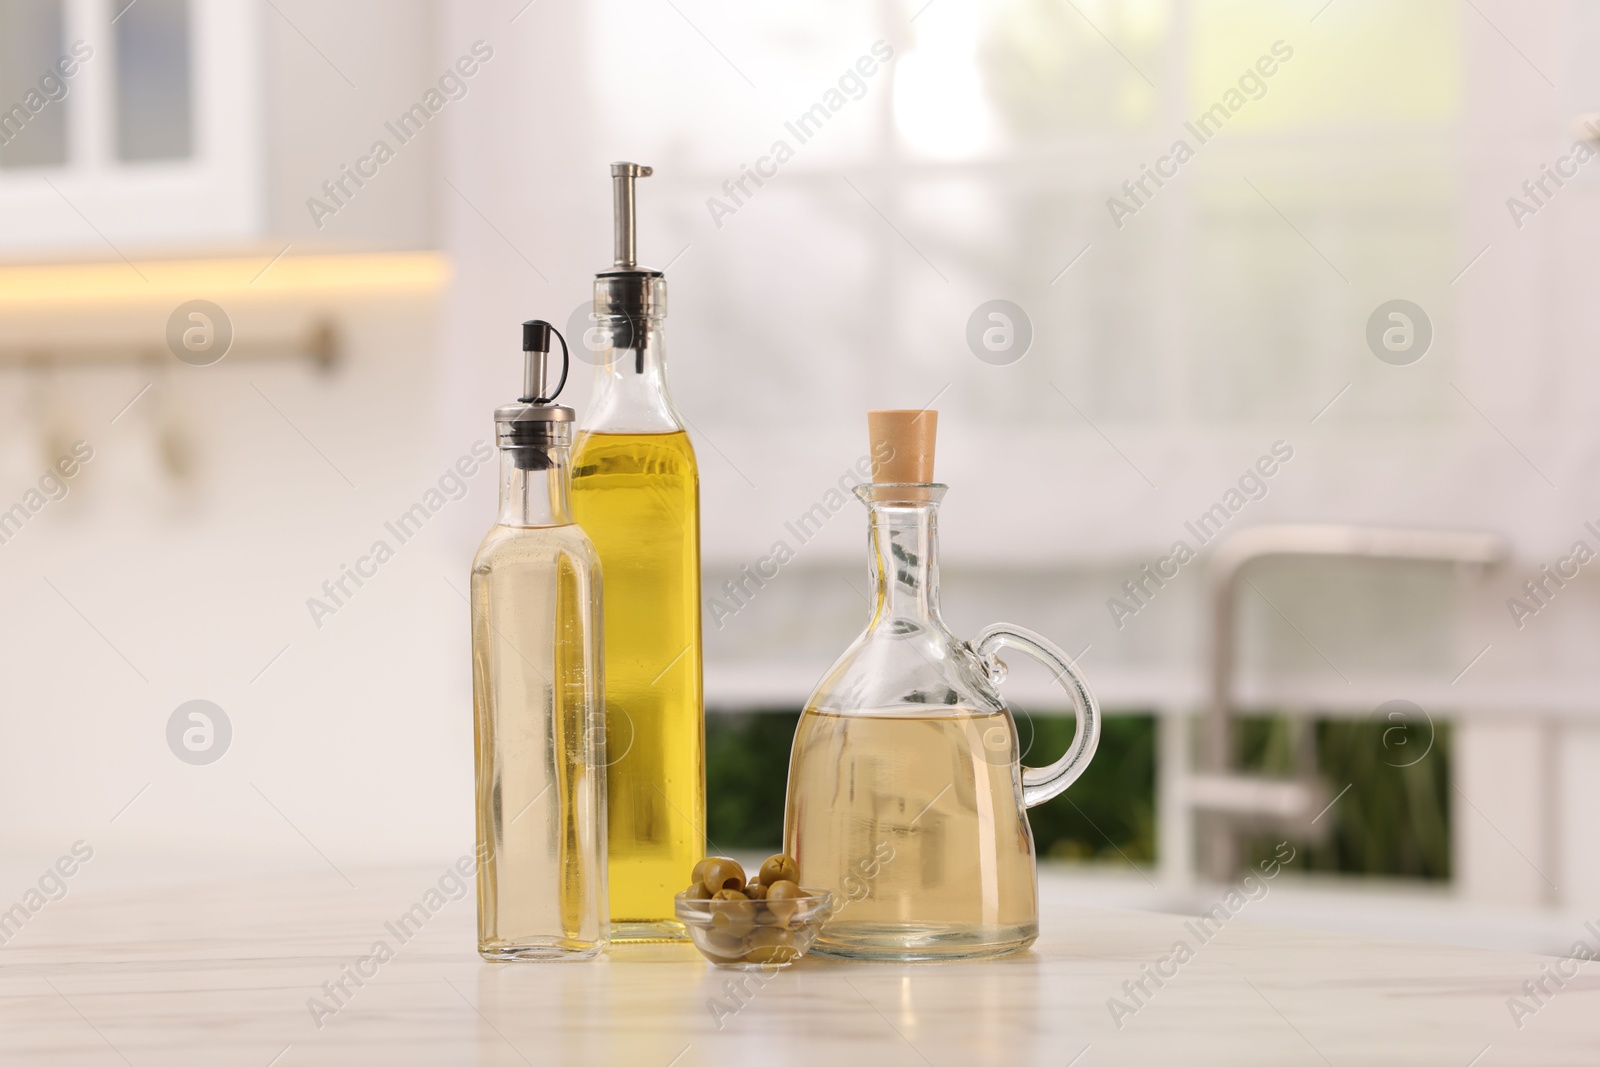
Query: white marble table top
{"type": "Point", "coordinates": [225, 975]}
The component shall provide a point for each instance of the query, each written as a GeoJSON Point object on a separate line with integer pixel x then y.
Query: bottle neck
{"type": "Point", "coordinates": [904, 553]}
{"type": "Point", "coordinates": [630, 393]}
{"type": "Point", "coordinates": [536, 497]}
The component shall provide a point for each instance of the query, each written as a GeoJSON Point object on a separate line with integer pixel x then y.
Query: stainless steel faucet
{"type": "Point", "coordinates": [1225, 799]}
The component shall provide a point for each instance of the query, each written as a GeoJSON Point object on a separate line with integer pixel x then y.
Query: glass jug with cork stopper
{"type": "Point", "coordinates": [907, 798]}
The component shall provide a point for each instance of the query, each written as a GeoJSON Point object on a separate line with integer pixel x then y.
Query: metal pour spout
{"type": "Point", "coordinates": [536, 362]}
{"type": "Point", "coordinates": [628, 297]}
{"type": "Point", "coordinates": [624, 245]}
{"type": "Point", "coordinates": [532, 428]}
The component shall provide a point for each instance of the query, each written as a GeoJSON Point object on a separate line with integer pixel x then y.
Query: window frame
{"type": "Point", "coordinates": [94, 200]}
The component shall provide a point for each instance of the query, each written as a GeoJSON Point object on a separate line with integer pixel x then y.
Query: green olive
{"type": "Point", "coordinates": [720, 873]}
{"type": "Point", "coordinates": [732, 913]}
{"type": "Point", "coordinates": [696, 892]}
{"type": "Point", "coordinates": [723, 946]}
{"type": "Point", "coordinates": [779, 868]}
{"type": "Point", "coordinates": [783, 900]}
{"type": "Point", "coordinates": [700, 871]}
{"type": "Point", "coordinates": [769, 944]}
{"type": "Point", "coordinates": [756, 891]}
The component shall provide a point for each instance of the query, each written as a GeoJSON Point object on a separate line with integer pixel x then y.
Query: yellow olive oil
{"type": "Point", "coordinates": [637, 497]}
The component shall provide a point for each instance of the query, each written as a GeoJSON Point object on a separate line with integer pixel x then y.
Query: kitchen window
{"type": "Point", "coordinates": [128, 123]}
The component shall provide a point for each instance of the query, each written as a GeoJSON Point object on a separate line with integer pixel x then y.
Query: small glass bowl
{"type": "Point", "coordinates": [755, 934]}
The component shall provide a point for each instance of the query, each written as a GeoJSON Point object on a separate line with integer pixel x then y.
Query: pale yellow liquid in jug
{"type": "Point", "coordinates": [915, 822]}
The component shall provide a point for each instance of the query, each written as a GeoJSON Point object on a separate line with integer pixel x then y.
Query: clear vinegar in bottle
{"type": "Point", "coordinates": [538, 688]}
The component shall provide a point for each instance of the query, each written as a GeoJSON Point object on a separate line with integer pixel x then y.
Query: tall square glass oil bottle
{"type": "Point", "coordinates": [636, 491]}
{"type": "Point", "coordinates": [537, 693]}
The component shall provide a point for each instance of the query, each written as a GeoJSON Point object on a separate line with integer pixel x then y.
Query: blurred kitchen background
{"type": "Point", "coordinates": [1340, 667]}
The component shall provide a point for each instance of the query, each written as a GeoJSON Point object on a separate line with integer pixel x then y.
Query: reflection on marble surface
{"type": "Point", "coordinates": [232, 974]}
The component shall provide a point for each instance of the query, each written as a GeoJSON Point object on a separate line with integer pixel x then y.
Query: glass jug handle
{"type": "Point", "coordinates": [1039, 784]}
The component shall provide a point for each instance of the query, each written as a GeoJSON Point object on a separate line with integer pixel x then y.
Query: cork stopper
{"type": "Point", "coordinates": [902, 445]}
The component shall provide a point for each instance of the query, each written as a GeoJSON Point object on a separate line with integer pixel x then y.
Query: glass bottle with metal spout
{"type": "Point", "coordinates": [636, 490]}
{"type": "Point", "coordinates": [537, 688]}
{"type": "Point", "coordinates": [906, 795]}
